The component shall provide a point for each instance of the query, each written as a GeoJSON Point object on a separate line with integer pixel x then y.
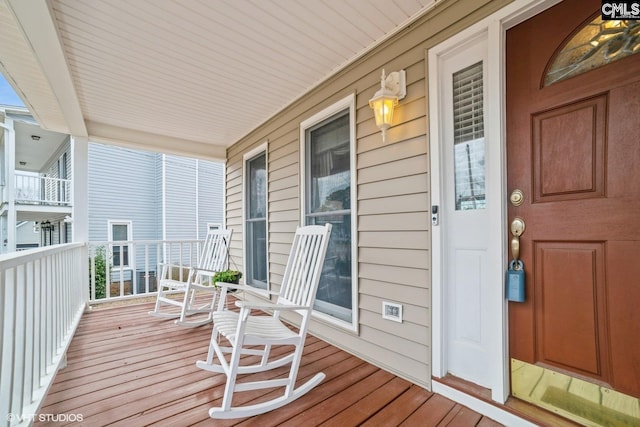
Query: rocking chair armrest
{"type": "Point", "coordinates": [205, 270]}
{"type": "Point", "coordinates": [240, 287]}
{"type": "Point", "coordinates": [234, 286]}
{"type": "Point", "coordinates": [269, 306]}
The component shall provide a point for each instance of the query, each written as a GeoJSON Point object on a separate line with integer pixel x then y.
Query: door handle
{"type": "Point", "coordinates": [515, 247]}
{"type": "Point", "coordinates": [517, 228]}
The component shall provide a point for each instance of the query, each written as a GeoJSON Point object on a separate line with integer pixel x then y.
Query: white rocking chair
{"type": "Point", "coordinates": [212, 260]}
{"type": "Point", "coordinates": [255, 335]}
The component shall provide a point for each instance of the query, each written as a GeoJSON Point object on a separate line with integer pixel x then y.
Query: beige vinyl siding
{"type": "Point", "coordinates": [393, 200]}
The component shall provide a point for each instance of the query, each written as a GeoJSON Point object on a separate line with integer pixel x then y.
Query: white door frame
{"type": "Point", "coordinates": [494, 29]}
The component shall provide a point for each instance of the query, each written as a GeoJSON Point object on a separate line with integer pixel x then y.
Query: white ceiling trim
{"type": "Point", "coordinates": [22, 71]}
{"type": "Point", "coordinates": [38, 27]}
{"type": "Point", "coordinates": [113, 135]}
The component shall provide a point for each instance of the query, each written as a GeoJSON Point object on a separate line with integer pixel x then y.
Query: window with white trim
{"type": "Point", "coordinates": [120, 231]}
{"type": "Point", "coordinates": [255, 190]}
{"type": "Point", "coordinates": [328, 159]}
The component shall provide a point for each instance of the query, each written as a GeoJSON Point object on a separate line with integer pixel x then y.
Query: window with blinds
{"type": "Point", "coordinates": [468, 131]}
{"type": "Point", "coordinates": [468, 115]}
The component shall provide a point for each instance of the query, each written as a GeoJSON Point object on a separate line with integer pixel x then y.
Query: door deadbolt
{"type": "Point", "coordinates": [517, 226]}
{"type": "Point", "coordinates": [517, 197]}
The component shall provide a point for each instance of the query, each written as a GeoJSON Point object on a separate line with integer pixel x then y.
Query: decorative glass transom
{"type": "Point", "coordinates": [597, 44]}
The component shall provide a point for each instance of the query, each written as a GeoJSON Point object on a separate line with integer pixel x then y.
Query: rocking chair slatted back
{"type": "Point", "coordinates": [214, 250]}
{"type": "Point", "coordinates": [303, 270]}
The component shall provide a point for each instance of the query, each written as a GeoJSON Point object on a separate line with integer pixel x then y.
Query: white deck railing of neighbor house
{"type": "Point", "coordinates": [130, 269]}
{"type": "Point", "coordinates": [42, 190]}
{"type": "Point", "coordinates": [43, 293]}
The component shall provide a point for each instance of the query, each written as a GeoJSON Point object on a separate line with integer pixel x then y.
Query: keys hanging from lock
{"type": "Point", "coordinates": [515, 282]}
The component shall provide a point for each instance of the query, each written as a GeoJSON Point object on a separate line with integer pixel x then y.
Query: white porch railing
{"type": "Point", "coordinates": [129, 269]}
{"type": "Point", "coordinates": [43, 294]}
{"type": "Point", "coordinates": [42, 190]}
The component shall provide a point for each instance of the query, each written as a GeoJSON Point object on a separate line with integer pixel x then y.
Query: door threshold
{"type": "Point", "coordinates": [513, 406]}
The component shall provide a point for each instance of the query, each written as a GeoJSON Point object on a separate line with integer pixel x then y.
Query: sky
{"type": "Point", "coordinates": [7, 95]}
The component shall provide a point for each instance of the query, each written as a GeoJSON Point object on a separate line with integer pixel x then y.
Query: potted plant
{"type": "Point", "coordinates": [227, 276]}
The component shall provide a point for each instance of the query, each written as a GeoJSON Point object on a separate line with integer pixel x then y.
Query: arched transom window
{"type": "Point", "coordinates": [596, 44]}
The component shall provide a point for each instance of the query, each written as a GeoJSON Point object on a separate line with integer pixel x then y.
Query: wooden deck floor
{"type": "Point", "coordinates": [127, 368]}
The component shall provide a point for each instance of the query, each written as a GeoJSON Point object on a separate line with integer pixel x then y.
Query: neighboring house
{"type": "Point", "coordinates": [132, 194]}
{"type": "Point", "coordinates": [28, 235]}
{"type": "Point", "coordinates": [138, 195]}
{"type": "Point", "coordinates": [159, 196]}
{"type": "Point", "coordinates": [517, 140]}
{"type": "Point", "coordinates": [36, 183]}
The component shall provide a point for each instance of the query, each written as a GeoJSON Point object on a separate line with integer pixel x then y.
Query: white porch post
{"type": "Point", "coordinates": [80, 188]}
{"type": "Point", "coordinates": [164, 197]}
{"type": "Point", "coordinates": [10, 171]}
{"type": "Point", "coordinates": [80, 200]}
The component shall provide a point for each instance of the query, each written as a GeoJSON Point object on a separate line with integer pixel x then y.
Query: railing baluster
{"type": "Point", "coordinates": [37, 321]}
{"type": "Point", "coordinates": [146, 269]}
{"type": "Point", "coordinates": [6, 350]}
{"type": "Point", "coordinates": [29, 331]}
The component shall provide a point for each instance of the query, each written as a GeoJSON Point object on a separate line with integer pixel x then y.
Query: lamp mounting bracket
{"type": "Point", "coordinates": [395, 83]}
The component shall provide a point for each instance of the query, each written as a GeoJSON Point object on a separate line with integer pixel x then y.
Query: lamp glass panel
{"type": "Point", "coordinates": [383, 110]}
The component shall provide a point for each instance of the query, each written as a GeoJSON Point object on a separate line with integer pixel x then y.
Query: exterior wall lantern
{"type": "Point", "coordinates": [392, 88]}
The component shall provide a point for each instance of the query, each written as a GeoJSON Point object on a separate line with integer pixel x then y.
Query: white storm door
{"type": "Point", "coordinates": [464, 214]}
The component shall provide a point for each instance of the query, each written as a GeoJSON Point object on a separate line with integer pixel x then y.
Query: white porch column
{"type": "Point", "coordinates": [10, 184]}
{"type": "Point", "coordinates": [80, 188]}
{"type": "Point", "coordinates": [80, 202]}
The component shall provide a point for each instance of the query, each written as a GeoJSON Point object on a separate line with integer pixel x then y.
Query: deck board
{"type": "Point", "coordinates": [126, 368]}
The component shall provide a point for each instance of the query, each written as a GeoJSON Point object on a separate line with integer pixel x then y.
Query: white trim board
{"type": "Point", "coordinates": [480, 406]}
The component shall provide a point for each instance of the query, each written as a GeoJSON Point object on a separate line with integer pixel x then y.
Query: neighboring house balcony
{"type": "Point", "coordinates": [37, 211]}
{"type": "Point", "coordinates": [37, 196]}
{"type": "Point", "coordinates": [42, 190]}
{"type": "Point", "coordinates": [36, 203]}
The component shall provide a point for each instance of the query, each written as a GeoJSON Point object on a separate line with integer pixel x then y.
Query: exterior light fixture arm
{"type": "Point", "coordinates": [395, 83]}
{"type": "Point", "coordinates": [392, 88]}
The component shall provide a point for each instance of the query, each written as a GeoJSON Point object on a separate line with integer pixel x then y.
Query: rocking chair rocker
{"type": "Point", "coordinates": [256, 334]}
{"type": "Point", "coordinates": [212, 260]}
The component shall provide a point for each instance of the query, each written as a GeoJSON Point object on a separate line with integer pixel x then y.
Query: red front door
{"type": "Point", "coordinates": [573, 149]}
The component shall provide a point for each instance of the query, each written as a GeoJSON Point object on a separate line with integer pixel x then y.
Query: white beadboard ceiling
{"type": "Point", "coordinates": [183, 76]}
